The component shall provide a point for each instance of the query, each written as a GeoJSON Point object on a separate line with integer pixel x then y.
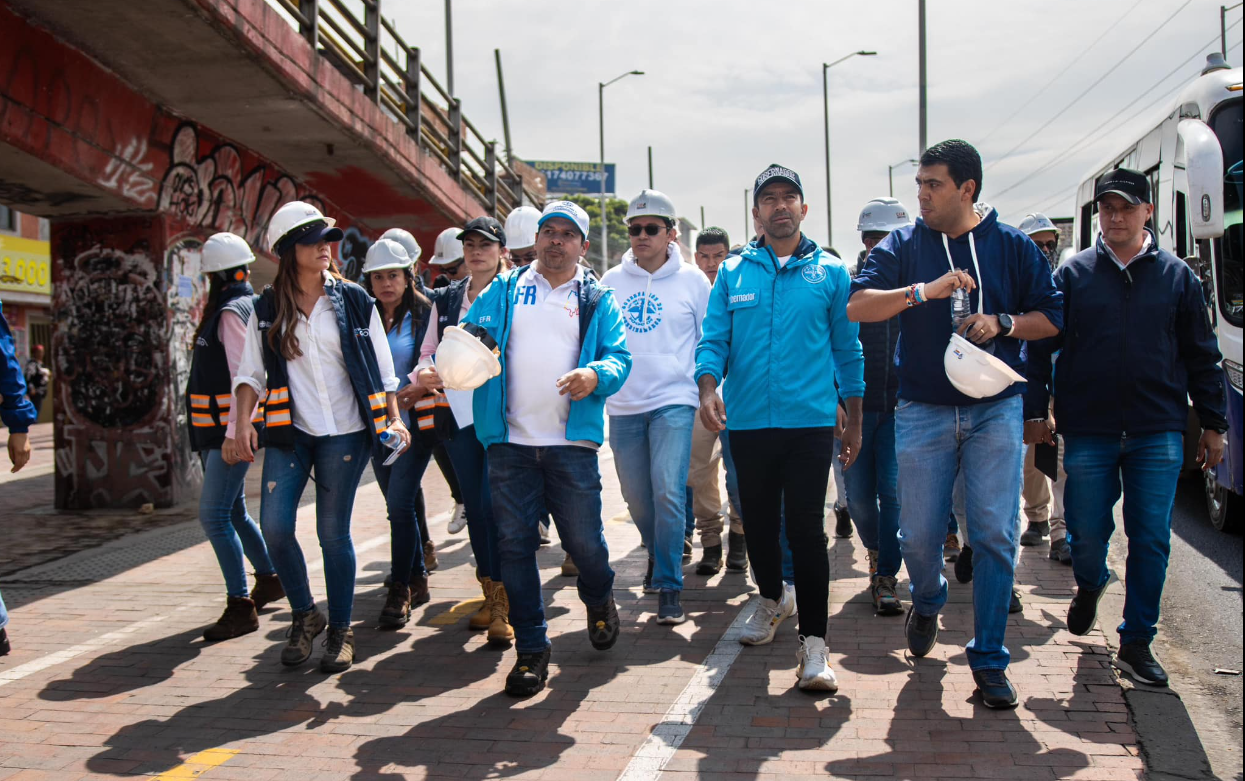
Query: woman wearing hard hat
{"type": "Point", "coordinates": [219, 342]}
{"type": "Point", "coordinates": [404, 310]}
{"type": "Point", "coordinates": [317, 346]}
{"type": "Point", "coordinates": [484, 244]}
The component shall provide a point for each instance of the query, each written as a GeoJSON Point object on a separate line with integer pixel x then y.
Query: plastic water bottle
{"type": "Point", "coordinates": [961, 308]}
{"type": "Point", "coordinates": [394, 443]}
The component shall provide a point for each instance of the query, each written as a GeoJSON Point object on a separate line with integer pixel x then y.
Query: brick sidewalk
{"type": "Point", "coordinates": [144, 694]}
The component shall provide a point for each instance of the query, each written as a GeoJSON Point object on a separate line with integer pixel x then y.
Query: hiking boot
{"type": "Point", "coordinates": [710, 560]}
{"type": "Point", "coordinates": [763, 624]}
{"type": "Point", "coordinates": [5, 645]}
{"type": "Point", "coordinates": [1084, 610]}
{"type": "Point", "coordinates": [951, 549]}
{"type": "Point", "coordinates": [458, 521]}
{"type": "Point", "coordinates": [1015, 606]}
{"type": "Point", "coordinates": [603, 625]}
{"type": "Point", "coordinates": [499, 629]}
{"type": "Point", "coordinates": [1139, 661]}
{"type": "Point", "coordinates": [995, 689]}
{"type": "Point", "coordinates": [885, 599]}
{"type": "Point", "coordinates": [813, 669]}
{"type": "Point", "coordinates": [569, 570]}
{"type": "Point", "coordinates": [529, 673]}
{"type": "Point", "coordinates": [964, 565]}
{"type": "Point", "coordinates": [871, 556]}
{"type": "Point", "coordinates": [922, 632]}
{"type": "Point", "coordinates": [1035, 533]}
{"type": "Point", "coordinates": [302, 634]}
{"type": "Point", "coordinates": [1060, 551]}
{"type": "Point", "coordinates": [397, 609]}
{"type": "Point", "coordinates": [419, 590]}
{"type": "Point", "coordinates": [736, 552]}
{"type": "Point", "coordinates": [648, 578]}
{"type": "Point", "coordinates": [669, 611]}
{"type": "Point", "coordinates": [267, 590]}
{"type": "Point", "coordinates": [687, 549]}
{"type": "Point", "coordinates": [338, 650]}
{"type": "Point", "coordinates": [483, 617]}
{"type": "Point", "coordinates": [543, 529]}
{"type": "Point", "coordinates": [842, 523]}
{"type": "Point", "coordinates": [238, 619]}
{"type": "Point", "coordinates": [430, 557]}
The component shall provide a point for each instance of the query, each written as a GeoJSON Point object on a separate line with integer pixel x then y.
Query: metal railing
{"type": "Point", "coordinates": [369, 52]}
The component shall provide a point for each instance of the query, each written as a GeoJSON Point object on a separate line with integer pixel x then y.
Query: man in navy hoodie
{"type": "Point", "coordinates": [1137, 344]}
{"type": "Point", "coordinates": [940, 432]}
{"type": "Point", "coordinates": [18, 414]}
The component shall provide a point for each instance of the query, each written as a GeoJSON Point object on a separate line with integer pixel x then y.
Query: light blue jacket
{"type": "Point", "coordinates": [603, 348]}
{"type": "Point", "coordinates": [781, 339]}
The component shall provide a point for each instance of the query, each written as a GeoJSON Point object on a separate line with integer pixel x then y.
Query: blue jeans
{"type": "Point", "coordinates": [983, 442]}
{"type": "Point", "coordinates": [228, 526]}
{"type": "Point", "coordinates": [339, 462]}
{"type": "Point", "coordinates": [732, 493]}
{"type": "Point", "coordinates": [399, 484]}
{"type": "Point", "coordinates": [568, 482]}
{"type": "Point", "coordinates": [471, 466]}
{"type": "Point", "coordinates": [651, 454]}
{"type": "Point", "coordinates": [1145, 468]}
{"type": "Point", "coordinates": [873, 491]}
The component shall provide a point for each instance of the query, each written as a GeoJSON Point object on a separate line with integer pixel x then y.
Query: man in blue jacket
{"type": "Point", "coordinates": [777, 331]}
{"type": "Point", "coordinates": [1136, 344]}
{"type": "Point", "coordinates": [940, 432]}
{"type": "Point", "coordinates": [562, 352]}
{"type": "Point", "coordinates": [18, 414]}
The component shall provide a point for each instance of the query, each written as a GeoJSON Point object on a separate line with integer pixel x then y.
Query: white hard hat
{"type": "Point", "coordinates": [413, 250]}
{"type": "Point", "coordinates": [467, 357]}
{"type": "Point", "coordinates": [448, 248]}
{"type": "Point", "coordinates": [1036, 223]}
{"type": "Point", "coordinates": [224, 251]}
{"type": "Point", "coordinates": [385, 254]}
{"type": "Point", "coordinates": [975, 372]}
{"type": "Point", "coordinates": [650, 203]}
{"type": "Point", "coordinates": [521, 227]}
{"type": "Point", "coordinates": [883, 215]}
{"type": "Point", "coordinates": [298, 219]}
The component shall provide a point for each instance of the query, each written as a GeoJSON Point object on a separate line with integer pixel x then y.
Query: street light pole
{"type": "Point", "coordinates": [825, 96]}
{"type": "Point", "coordinates": [890, 173]}
{"type": "Point", "coordinates": [605, 258]}
{"type": "Point", "coordinates": [921, 102]}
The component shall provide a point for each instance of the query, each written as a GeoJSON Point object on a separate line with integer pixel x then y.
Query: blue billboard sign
{"type": "Point", "coordinates": [563, 178]}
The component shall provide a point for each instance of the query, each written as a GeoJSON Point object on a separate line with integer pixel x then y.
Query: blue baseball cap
{"type": "Point", "coordinates": [566, 210]}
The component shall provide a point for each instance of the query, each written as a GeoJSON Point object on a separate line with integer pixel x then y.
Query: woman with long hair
{"type": "Point", "coordinates": [219, 342]}
{"type": "Point", "coordinates": [317, 346]}
{"type": "Point", "coordinates": [484, 252]}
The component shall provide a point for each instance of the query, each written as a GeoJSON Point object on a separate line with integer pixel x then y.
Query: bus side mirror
{"type": "Point", "coordinates": [1203, 159]}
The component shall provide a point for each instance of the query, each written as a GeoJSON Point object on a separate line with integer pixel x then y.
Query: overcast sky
{"type": "Point", "coordinates": [733, 85]}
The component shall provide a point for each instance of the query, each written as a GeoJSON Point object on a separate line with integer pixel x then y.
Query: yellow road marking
{"type": "Point", "coordinates": [452, 615]}
{"type": "Point", "coordinates": [197, 765]}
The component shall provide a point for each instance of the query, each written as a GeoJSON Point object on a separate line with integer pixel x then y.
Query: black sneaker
{"type": "Point", "coordinates": [1139, 661]}
{"type": "Point", "coordinates": [842, 523]}
{"type": "Point", "coordinates": [710, 560]}
{"type": "Point", "coordinates": [736, 552]}
{"type": "Point", "coordinates": [687, 549]}
{"type": "Point", "coordinates": [5, 645]}
{"type": "Point", "coordinates": [529, 673]}
{"type": "Point", "coordinates": [1016, 605]}
{"type": "Point", "coordinates": [1060, 551]}
{"type": "Point", "coordinates": [995, 689]}
{"type": "Point", "coordinates": [603, 625]}
{"type": "Point", "coordinates": [964, 565]}
{"type": "Point", "coordinates": [1035, 533]}
{"type": "Point", "coordinates": [1084, 610]}
{"type": "Point", "coordinates": [922, 632]}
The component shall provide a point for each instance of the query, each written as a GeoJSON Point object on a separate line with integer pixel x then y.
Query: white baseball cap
{"type": "Point", "coordinates": [566, 210]}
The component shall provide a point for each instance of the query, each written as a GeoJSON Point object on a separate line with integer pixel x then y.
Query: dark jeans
{"type": "Point", "coordinates": [786, 471]}
{"type": "Point", "coordinates": [471, 466]}
{"type": "Point", "coordinates": [873, 491]}
{"type": "Point", "coordinates": [442, 455]}
{"type": "Point", "coordinates": [399, 484]}
{"type": "Point", "coordinates": [568, 482]}
{"type": "Point", "coordinates": [37, 400]}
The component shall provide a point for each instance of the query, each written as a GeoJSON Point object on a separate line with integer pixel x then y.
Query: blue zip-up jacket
{"type": "Point", "coordinates": [603, 348]}
{"type": "Point", "coordinates": [1136, 345]}
{"type": "Point", "coordinates": [15, 410]}
{"type": "Point", "coordinates": [781, 339]}
{"type": "Point", "coordinates": [1016, 280]}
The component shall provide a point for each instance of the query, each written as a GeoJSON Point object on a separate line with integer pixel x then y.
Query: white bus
{"type": "Point", "coordinates": [1192, 155]}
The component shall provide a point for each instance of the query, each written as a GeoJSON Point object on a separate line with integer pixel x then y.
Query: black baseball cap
{"type": "Point", "coordinates": [487, 227]}
{"type": "Point", "coordinates": [1132, 186]}
{"type": "Point", "coordinates": [774, 173]}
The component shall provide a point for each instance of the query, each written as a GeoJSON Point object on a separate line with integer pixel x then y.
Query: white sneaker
{"type": "Point", "coordinates": [764, 622]}
{"type": "Point", "coordinates": [788, 595]}
{"type": "Point", "coordinates": [459, 521]}
{"type": "Point", "coordinates": [814, 671]}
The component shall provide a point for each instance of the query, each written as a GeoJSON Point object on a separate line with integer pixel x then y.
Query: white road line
{"type": "Point", "coordinates": [649, 760]}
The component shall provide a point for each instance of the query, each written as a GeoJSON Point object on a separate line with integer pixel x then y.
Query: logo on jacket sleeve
{"type": "Point", "coordinates": [813, 273]}
{"type": "Point", "coordinates": [641, 313]}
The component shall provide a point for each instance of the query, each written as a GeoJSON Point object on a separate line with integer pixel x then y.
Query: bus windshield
{"type": "Point", "coordinates": [1226, 123]}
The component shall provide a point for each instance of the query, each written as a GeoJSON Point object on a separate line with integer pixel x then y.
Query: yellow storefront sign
{"type": "Point", "coordinates": [25, 265]}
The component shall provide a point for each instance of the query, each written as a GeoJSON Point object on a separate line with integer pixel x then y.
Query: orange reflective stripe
{"type": "Point", "coordinates": [201, 420]}
{"type": "Point", "coordinates": [225, 400]}
{"type": "Point", "coordinates": [380, 424]}
{"type": "Point", "coordinates": [377, 400]}
{"type": "Point", "coordinates": [279, 396]}
{"type": "Point", "coordinates": [259, 414]}
{"type": "Point", "coordinates": [425, 424]}
{"type": "Point", "coordinates": [278, 417]}
{"type": "Point", "coordinates": [200, 401]}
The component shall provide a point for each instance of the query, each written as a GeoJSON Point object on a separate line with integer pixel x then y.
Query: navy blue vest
{"type": "Point", "coordinates": [210, 388]}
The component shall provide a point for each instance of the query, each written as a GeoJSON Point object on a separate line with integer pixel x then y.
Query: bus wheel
{"type": "Point", "coordinates": [1222, 504]}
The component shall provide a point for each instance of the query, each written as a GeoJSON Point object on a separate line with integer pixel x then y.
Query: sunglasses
{"type": "Point", "coordinates": [651, 230]}
{"type": "Point", "coordinates": [1046, 246]}
{"type": "Point", "coordinates": [452, 268]}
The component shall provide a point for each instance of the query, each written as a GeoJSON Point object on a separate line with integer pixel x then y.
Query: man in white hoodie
{"type": "Point", "coordinates": [663, 302]}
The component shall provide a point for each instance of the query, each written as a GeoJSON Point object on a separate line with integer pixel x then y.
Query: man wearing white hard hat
{"type": "Point", "coordinates": [447, 258]}
{"type": "Point", "coordinates": [651, 417]}
{"type": "Point", "coordinates": [959, 411]}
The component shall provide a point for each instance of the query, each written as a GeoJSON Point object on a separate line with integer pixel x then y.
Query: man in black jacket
{"type": "Point", "coordinates": [1136, 343]}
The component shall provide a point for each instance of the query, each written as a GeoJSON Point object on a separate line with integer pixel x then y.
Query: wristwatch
{"type": "Point", "coordinates": [1007, 323]}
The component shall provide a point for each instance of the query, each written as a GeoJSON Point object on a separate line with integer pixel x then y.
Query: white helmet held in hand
{"type": "Point", "coordinates": [975, 372]}
{"type": "Point", "coordinates": [413, 250]}
{"type": "Point", "coordinates": [297, 218]}
{"type": "Point", "coordinates": [650, 203]}
{"type": "Point", "coordinates": [225, 251]}
{"type": "Point", "coordinates": [1037, 223]}
{"type": "Point", "coordinates": [521, 225]}
{"type": "Point", "coordinates": [448, 249]}
{"type": "Point", "coordinates": [883, 215]}
{"type": "Point", "coordinates": [386, 254]}
{"type": "Point", "coordinates": [467, 357]}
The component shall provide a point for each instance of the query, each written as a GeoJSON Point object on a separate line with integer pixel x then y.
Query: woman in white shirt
{"type": "Point", "coordinates": [317, 346]}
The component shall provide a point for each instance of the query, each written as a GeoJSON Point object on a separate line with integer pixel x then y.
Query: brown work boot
{"type": "Point", "coordinates": [267, 590]}
{"type": "Point", "coordinates": [397, 609]}
{"type": "Point", "coordinates": [483, 617]}
{"type": "Point", "coordinates": [569, 570]}
{"type": "Point", "coordinates": [238, 619]}
{"type": "Point", "coordinates": [872, 556]}
{"type": "Point", "coordinates": [499, 629]}
{"type": "Point", "coordinates": [430, 556]}
{"type": "Point", "coordinates": [302, 634]}
{"type": "Point", "coordinates": [419, 590]}
{"type": "Point", "coordinates": [338, 650]}
{"type": "Point", "coordinates": [951, 549]}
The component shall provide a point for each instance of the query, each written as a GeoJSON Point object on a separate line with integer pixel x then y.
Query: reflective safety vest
{"type": "Point", "coordinates": [209, 390]}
